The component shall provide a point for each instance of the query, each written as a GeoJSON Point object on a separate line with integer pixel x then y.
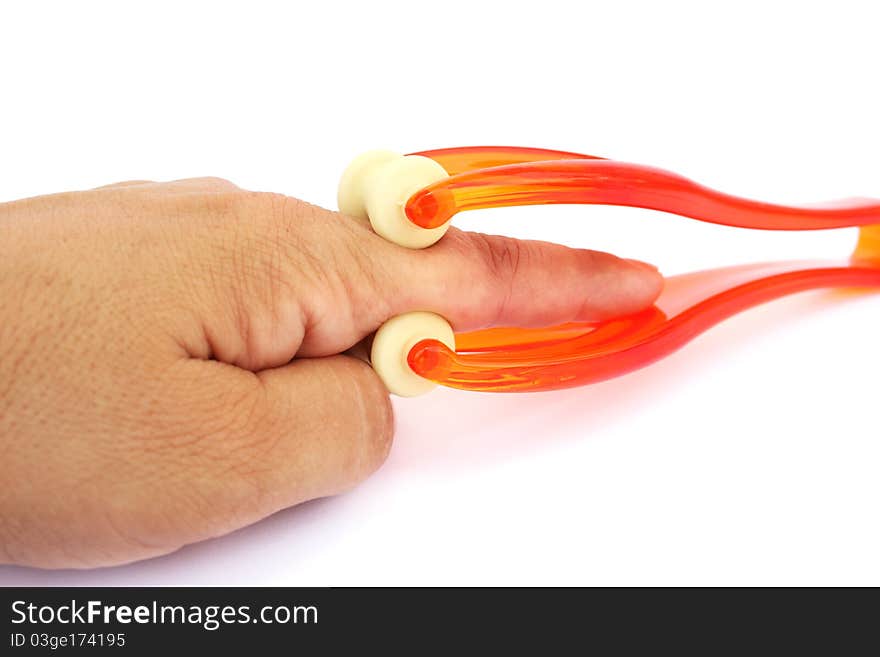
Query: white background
{"type": "Point", "coordinates": [750, 457]}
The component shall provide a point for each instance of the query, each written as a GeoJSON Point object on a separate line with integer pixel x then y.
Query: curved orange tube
{"type": "Point", "coordinates": [511, 359]}
{"type": "Point", "coordinates": [591, 180]}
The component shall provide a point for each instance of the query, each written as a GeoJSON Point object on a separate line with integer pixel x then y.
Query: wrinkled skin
{"type": "Point", "coordinates": [172, 360]}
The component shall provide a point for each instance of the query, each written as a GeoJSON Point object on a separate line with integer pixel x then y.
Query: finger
{"type": "Point", "coordinates": [241, 446]}
{"type": "Point", "coordinates": [476, 281]}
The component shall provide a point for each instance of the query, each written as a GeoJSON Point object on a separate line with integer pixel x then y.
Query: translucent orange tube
{"type": "Point", "coordinates": [511, 359]}
{"type": "Point", "coordinates": [587, 179]}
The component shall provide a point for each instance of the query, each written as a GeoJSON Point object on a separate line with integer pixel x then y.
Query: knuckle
{"type": "Point", "coordinates": [278, 207]}
{"type": "Point", "coordinates": [503, 256]}
{"type": "Point", "coordinates": [212, 183]}
{"type": "Point", "coordinates": [267, 217]}
{"type": "Point", "coordinates": [503, 260]}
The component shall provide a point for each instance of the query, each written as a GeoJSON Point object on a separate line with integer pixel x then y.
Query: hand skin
{"type": "Point", "coordinates": [172, 358]}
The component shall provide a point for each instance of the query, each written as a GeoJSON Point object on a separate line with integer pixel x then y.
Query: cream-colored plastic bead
{"type": "Point", "coordinates": [393, 342]}
{"type": "Point", "coordinates": [387, 192]}
{"type": "Point", "coordinates": [377, 185]}
{"type": "Point", "coordinates": [350, 193]}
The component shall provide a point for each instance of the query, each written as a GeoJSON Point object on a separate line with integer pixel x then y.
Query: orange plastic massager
{"type": "Point", "coordinates": [411, 200]}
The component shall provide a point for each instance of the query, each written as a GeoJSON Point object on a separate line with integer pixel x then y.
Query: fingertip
{"type": "Point", "coordinates": [642, 265]}
{"type": "Point", "coordinates": [647, 282]}
{"type": "Point", "coordinates": [625, 286]}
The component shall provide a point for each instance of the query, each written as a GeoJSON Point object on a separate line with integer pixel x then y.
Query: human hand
{"type": "Point", "coordinates": [171, 355]}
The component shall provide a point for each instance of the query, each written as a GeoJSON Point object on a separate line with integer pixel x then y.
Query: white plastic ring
{"type": "Point", "coordinates": [393, 342]}
{"type": "Point", "coordinates": [378, 184]}
{"type": "Point", "coordinates": [350, 193]}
